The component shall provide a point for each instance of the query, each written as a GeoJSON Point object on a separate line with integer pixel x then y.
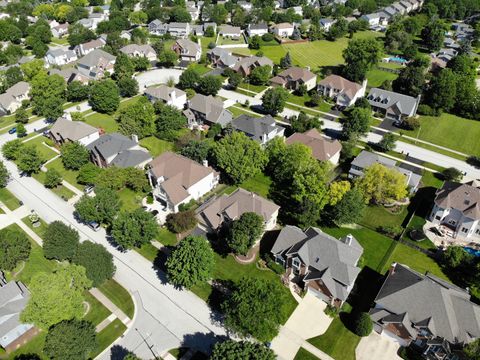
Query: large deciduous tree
{"type": "Point", "coordinates": [188, 79]}
{"type": "Point", "coordinates": [360, 55]}
{"type": "Point", "coordinates": [74, 155]}
{"type": "Point", "coordinates": [209, 85]}
{"type": "Point", "coordinates": [70, 340]}
{"type": "Point", "coordinates": [29, 160]}
{"type": "Point", "coordinates": [56, 296]}
{"type": "Point", "coordinates": [254, 308]}
{"type": "Point", "coordinates": [433, 35]}
{"type": "Point", "coordinates": [134, 228]}
{"type": "Point", "coordinates": [349, 209]}
{"type": "Point", "coordinates": [4, 175]}
{"type": "Point", "coordinates": [60, 241]}
{"type": "Point", "coordinates": [238, 157]}
{"type": "Point", "coordinates": [14, 247]}
{"type": "Point", "coordinates": [191, 262]}
{"type": "Point", "coordinates": [240, 350]}
{"type": "Point", "coordinates": [169, 121]}
{"type": "Point", "coordinates": [48, 95]}
{"type": "Point", "coordinates": [245, 232]}
{"type": "Point", "coordinates": [104, 96]}
{"type": "Point", "coordinates": [102, 208]}
{"type": "Point", "coordinates": [96, 260]}
{"type": "Point", "coordinates": [273, 100]}
{"type": "Point", "coordinates": [138, 119]}
{"type": "Point", "coordinates": [357, 123]}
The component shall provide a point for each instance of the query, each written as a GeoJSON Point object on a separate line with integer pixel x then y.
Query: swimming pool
{"type": "Point", "coordinates": [471, 251]}
{"type": "Point", "coordinates": [397, 59]}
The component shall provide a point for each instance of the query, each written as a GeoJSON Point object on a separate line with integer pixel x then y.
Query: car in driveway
{"type": "Point", "coordinates": [12, 130]}
{"type": "Point", "coordinates": [88, 189]}
{"type": "Point", "coordinates": [93, 225]}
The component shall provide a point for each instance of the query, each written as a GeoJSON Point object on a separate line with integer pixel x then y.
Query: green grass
{"type": "Point", "coordinates": [155, 145]}
{"type": "Point", "coordinates": [69, 176]}
{"type": "Point", "coordinates": [166, 237]}
{"type": "Point", "coordinates": [40, 230]}
{"type": "Point", "coordinates": [338, 342]}
{"type": "Point", "coordinates": [34, 346]}
{"type": "Point", "coordinates": [44, 152]}
{"type": "Point", "coordinates": [228, 41]}
{"type": "Point", "coordinates": [304, 100]}
{"type": "Point", "coordinates": [239, 110]}
{"type": "Point", "coordinates": [317, 53]}
{"type": "Point", "coordinates": [119, 296]}
{"type": "Point", "coordinates": [274, 53]}
{"type": "Point", "coordinates": [242, 51]}
{"type": "Point", "coordinates": [376, 216]}
{"type": "Point", "coordinates": [148, 251]}
{"type": "Point", "coordinates": [259, 184]}
{"type": "Point", "coordinates": [108, 335]}
{"type": "Point", "coordinates": [417, 222]}
{"type": "Point", "coordinates": [200, 68]}
{"type": "Point", "coordinates": [130, 199]}
{"type": "Point", "coordinates": [97, 312]}
{"type": "Point", "coordinates": [374, 244]}
{"type": "Point", "coordinates": [303, 354]}
{"type": "Point", "coordinates": [103, 121]}
{"type": "Point", "coordinates": [60, 190]}
{"type": "Point", "coordinates": [450, 131]}
{"type": "Point", "coordinates": [252, 87]}
{"type": "Point", "coordinates": [9, 199]}
{"type": "Point", "coordinates": [414, 259]}
{"type": "Point", "coordinates": [376, 77]}
{"type": "Point", "coordinates": [429, 179]}
{"type": "Point", "coordinates": [205, 41]}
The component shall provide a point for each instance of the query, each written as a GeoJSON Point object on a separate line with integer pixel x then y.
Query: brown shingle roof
{"type": "Point", "coordinates": [297, 73]}
{"type": "Point", "coordinates": [462, 197]}
{"type": "Point", "coordinates": [337, 82]}
{"type": "Point", "coordinates": [322, 149]}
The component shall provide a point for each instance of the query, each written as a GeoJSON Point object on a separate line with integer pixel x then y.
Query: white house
{"type": "Point", "coordinates": [59, 56]}
{"type": "Point", "coordinates": [169, 95]}
{"type": "Point", "coordinates": [85, 48]}
{"type": "Point", "coordinates": [59, 30]}
{"type": "Point", "coordinates": [140, 51]}
{"type": "Point", "coordinates": [343, 91]}
{"type": "Point", "coordinates": [257, 29]}
{"type": "Point", "coordinates": [233, 32]}
{"type": "Point", "coordinates": [179, 30]}
{"type": "Point", "coordinates": [326, 23]}
{"type": "Point", "coordinates": [282, 29]}
{"type": "Point", "coordinates": [12, 99]}
{"type": "Point", "coordinates": [177, 180]}
{"type": "Point", "coordinates": [187, 50]}
{"type": "Point", "coordinates": [65, 130]}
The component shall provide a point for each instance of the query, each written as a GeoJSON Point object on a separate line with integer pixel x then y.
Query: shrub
{"type": "Point", "coordinates": [474, 161]}
{"type": "Point", "coordinates": [52, 178]}
{"type": "Point", "coordinates": [390, 230]}
{"type": "Point", "coordinates": [181, 221]}
{"type": "Point", "coordinates": [411, 123]}
{"type": "Point", "coordinates": [149, 199]}
{"type": "Point", "coordinates": [187, 206]}
{"type": "Point", "coordinates": [426, 110]}
{"type": "Point", "coordinates": [268, 37]}
{"type": "Point", "coordinates": [331, 311]}
{"type": "Point", "coordinates": [452, 174]}
{"type": "Point", "coordinates": [362, 325]}
{"type": "Point", "coordinates": [275, 267]}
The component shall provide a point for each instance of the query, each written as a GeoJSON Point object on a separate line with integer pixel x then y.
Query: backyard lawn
{"type": "Point", "coordinates": [376, 77]}
{"type": "Point", "coordinates": [205, 41]}
{"type": "Point", "coordinates": [229, 41]}
{"type": "Point", "coordinates": [119, 296]}
{"type": "Point", "coordinates": [103, 121]}
{"type": "Point", "coordinates": [259, 184]}
{"type": "Point", "coordinates": [376, 216]}
{"type": "Point", "coordinates": [155, 145]}
{"type": "Point", "coordinates": [450, 131]}
{"type": "Point", "coordinates": [9, 199]}
{"type": "Point", "coordinates": [417, 222]}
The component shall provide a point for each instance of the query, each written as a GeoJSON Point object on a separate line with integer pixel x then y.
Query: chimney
{"type": "Point", "coordinates": [205, 163]}
{"type": "Point", "coordinates": [391, 271]}
{"type": "Point", "coordinates": [135, 138]}
{"type": "Point", "coordinates": [348, 239]}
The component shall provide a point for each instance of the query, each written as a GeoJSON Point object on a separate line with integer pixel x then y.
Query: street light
{"type": "Point", "coordinates": [145, 341]}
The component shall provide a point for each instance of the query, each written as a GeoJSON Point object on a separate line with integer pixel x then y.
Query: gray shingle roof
{"type": "Point", "coordinates": [131, 158]}
{"type": "Point", "coordinates": [255, 127]}
{"type": "Point", "coordinates": [64, 129]}
{"type": "Point", "coordinates": [111, 144]}
{"type": "Point", "coordinates": [367, 158]}
{"type": "Point", "coordinates": [385, 99]}
{"type": "Point", "coordinates": [93, 58]}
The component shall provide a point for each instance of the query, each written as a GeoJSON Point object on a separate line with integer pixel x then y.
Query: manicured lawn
{"type": "Point", "coordinates": [274, 53]}
{"type": "Point", "coordinates": [241, 51]}
{"type": "Point", "coordinates": [130, 199]}
{"type": "Point", "coordinates": [228, 41]}
{"type": "Point", "coordinates": [103, 121]}
{"type": "Point", "coordinates": [69, 176]}
{"type": "Point", "coordinates": [148, 251]}
{"type": "Point", "coordinates": [108, 335]}
{"type": "Point", "coordinates": [303, 354]}
{"type": "Point", "coordinates": [304, 101]}
{"type": "Point", "coordinates": [415, 259]}
{"type": "Point", "coordinates": [450, 131]}
{"type": "Point", "coordinates": [44, 152]}
{"type": "Point", "coordinates": [239, 110]}
{"type": "Point", "coordinates": [60, 190]}
{"type": "Point", "coordinates": [251, 87]}
{"type": "Point", "coordinates": [200, 68]}
{"type": "Point", "coordinates": [34, 346]}
{"type": "Point", "coordinates": [429, 179]}
{"type": "Point", "coordinates": [9, 199]}
{"type": "Point", "coordinates": [259, 184]}
{"type": "Point", "coordinates": [417, 222]}
{"type": "Point", "coordinates": [119, 296]}
{"type": "Point", "coordinates": [338, 342]}
{"type": "Point", "coordinates": [376, 77]}
{"type": "Point", "coordinates": [320, 53]}
{"type": "Point", "coordinates": [155, 145]}
{"type": "Point", "coordinates": [376, 216]}
{"type": "Point", "coordinates": [97, 312]}
{"type": "Point", "coordinates": [166, 237]}
{"type": "Point", "coordinates": [374, 244]}
{"type": "Point", "coordinates": [40, 230]}
{"type": "Point", "coordinates": [205, 41]}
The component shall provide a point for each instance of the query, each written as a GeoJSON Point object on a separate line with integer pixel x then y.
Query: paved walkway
{"type": "Point", "coordinates": [110, 306]}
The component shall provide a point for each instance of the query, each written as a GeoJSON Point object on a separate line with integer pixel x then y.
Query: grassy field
{"type": "Point", "coordinates": [450, 131]}
{"type": "Point", "coordinates": [376, 216]}
{"type": "Point", "coordinates": [108, 335]}
{"type": "Point", "coordinates": [429, 179]}
{"type": "Point", "coordinates": [240, 110]}
{"type": "Point", "coordinates": [119, 296]}
{"type": "Point", "coordinates": [9, 199]}
{"type": "Point", "coordinates": [69, 176]}
{"type": "Point", "coordinates": [317, 54]}
{"type": "Point", "coordinates": [155, 145]}
{"type": "Point", "coordinates": [376, 77]}
{"type": "Point", "coordinates": [45, 152]}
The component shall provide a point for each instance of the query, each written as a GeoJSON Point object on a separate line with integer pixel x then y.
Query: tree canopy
{"type": "Point", "coordinates": [60, 241]}
{"type": "Point", "coordinates": [273, 100]}
{"type": "Point", "coordinates": [48, 95]}
{"type": "Point", "coordinates": [29, 160]}
{"type": "Point", "coordinates": [360, 55]}
{"type": "Point", "coordinates": [74, 155]}
{"type": "Point", "coordinates": [169, 121]}
{"type": "Point", "coordinates": [240, 350]}
{"type": "Point", "coordinates": [14, 247]}
{"type": "Point", "coordinates": [104, 96]}
{"type": "Point", "coordinates": [357, 123]}
{"type": "Point", "coordinates": [134, 228]}
{"type": "Point", "coordinates": [245, 232]}
{"type": "Point", "coordinates": [138, 119]}
{"type": "Point", "coordinates": [96, 260]}
{"type": "Point", "coordinates": [102, 208]}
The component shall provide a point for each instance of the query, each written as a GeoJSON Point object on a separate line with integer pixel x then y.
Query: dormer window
{"type": "Point", "coordinates": [296, 263]}
{"type": "Point", "coordinates": [466, 202]}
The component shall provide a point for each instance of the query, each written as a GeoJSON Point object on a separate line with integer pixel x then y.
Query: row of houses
{"type": "Point", "coordinates": [388, 13]}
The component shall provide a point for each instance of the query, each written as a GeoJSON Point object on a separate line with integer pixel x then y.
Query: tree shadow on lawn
{"type": "Point", "coordinates": [421, 203]}
{"type": "Point", "coordinates": [202, 343]}
{"type": "Point", "coordinates": [159, 265]}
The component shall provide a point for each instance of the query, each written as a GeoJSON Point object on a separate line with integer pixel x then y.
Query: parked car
{"type": "Point", "coordinates": [155, 212]}
{"type": "Point", "coordinates": [88, 189]}
{"type": "Point", "coordinates": [12, 130]}
{"type": "Point", "coordinates": [93, 225]}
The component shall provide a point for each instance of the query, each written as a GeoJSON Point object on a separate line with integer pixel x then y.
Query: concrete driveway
{"type": "Point", "coordinates": [156, 76]}
{"type": "Point", "coordinates": [307, 321]}
{"type": "Point", "coordinates": [377, 347]}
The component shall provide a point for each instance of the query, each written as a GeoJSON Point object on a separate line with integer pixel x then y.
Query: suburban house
{"type": "Point", "coordinates": [426, 312]}
{"type": "Point", "coordinates": [261, 130]}
{"type": "Point", "coordinates": [59, 56]}
{"type": "Point", "coordinates": [65, 130]}
{"type": "Point", "coordinates": [233, 32]}
{"type": "Point", "coordinates": [456, 211]}
{"type": "Point", "coordinates": [293, 77]}
{"type": "Point", "coordinates": [13, 299]}
{"type": "Point", "coordinates": [224, 209]}
{"type": "Point", "coordinates": [177, 180]}
{"type": "Point", "coordinates": [393, 105]}
{"type": "Point", "coordinates": [343, 91]}
{"type": "Point", "coordinates": [366, 159]}
{"type": "Point", "coordinates": [179, 30]}
{"type": "Point", "coordinates": [87, 24]}
{"type": "Point", "coordinates": [318, 262]}
{"type": "Point", "coordinates": [59, 30]}
{"type": "Point", "coordinates": [206, 110]}
{"type": "Point", "coordinates": [282, 30]}
{"type": "Point", "coordinates": [118, 150]}
{"type": "Point", "coordinates": [88, 47]}
{"type": "Point", "coordinates": [70, 75]}
{"type": "Point", "coordinates": [156, 27]}
{"type": "Point", "coordinates": [245, 65]}
{"type": "Point", "coordinates": [188, 50]}
{"type": "Point", "coordinates": [323, 149]}
{"type": "Point", "coordinates": [222, 58]}
{"type": "Point", "coordinates": [326, 23]}
{"type": "Point", "coordinates": [199, 30]}
{"type": "Point", "coordinates": [12, 99]}
{"type": "Point", "coordinates": [96, 63]}
{"type": "Point", "coordinates": [140, 51]}
{"type": "Point", "coordinates": [193, 10]}
{"type": "Point", "coordinates": [245, 5]}
{"type": "Point", "coordinates": [168, 95]}
{"type": "Point", "coordinates": [257, 29]}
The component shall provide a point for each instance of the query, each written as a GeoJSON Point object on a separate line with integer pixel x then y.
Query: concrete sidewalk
{"type": "Point", "coordinates": [110, 306]}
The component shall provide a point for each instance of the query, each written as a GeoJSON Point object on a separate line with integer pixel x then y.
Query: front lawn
{"type": "Point", "coordinates": [303, 354]}
{"type": "Point", "coordinates": [431, 179]}
{"type": "Point", "coordinates": [69, 176]}
{"type": "Point", "coordinates": [39, 230]}
{"type": "Point", "coordinates": [9, 199]}
{"type": "Point", "coordinates": [60, 190]}
{"type": "Point", "coordinates": [252, 87]}
{"type": "Point", "coordinates": [119, 296]}
{"type": "Point", "coordinates": [155, 145]}
{"type": "Point", "coordinates": [97, 312]}
{"type": "Point", "coordinates": [201, 69]}
{"type": "Point", "coordinates": [108, 335]}
{"type": "Point", "coordinates": [450, 131]}
{"type": "Point", "coordinates": [376, 216]}
{"type": "Point", "coordinates": [102, 121]}
{"type": "Point", "coordinates": [130, 199]}
{"type": "Point", "coordinates": [166, 237]}
{"type": "Point", "coordinates": [45, 152]}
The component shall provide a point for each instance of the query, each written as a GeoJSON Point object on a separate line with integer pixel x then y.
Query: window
{"type": "Point", "coordinates": [296, 263]}
{"type": "Point", "coordinates": [464, 230]}
{"type": "Point", "coordinates": [477, 231]}
{"type": "Point", "coordinates": [437, 217]}
{"type": "Point", "coordinates": [452, 222]}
